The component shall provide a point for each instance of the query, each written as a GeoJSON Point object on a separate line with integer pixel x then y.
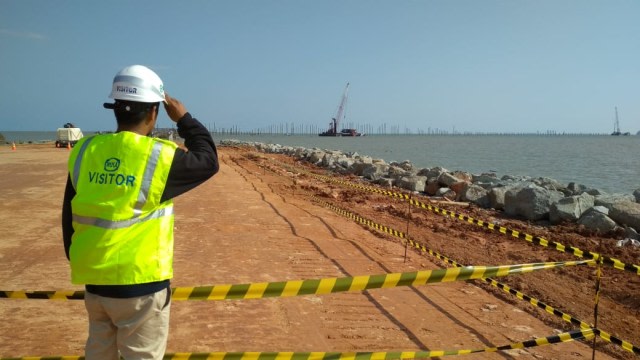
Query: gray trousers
{"type": "Point", "coordinates": [135, 328]}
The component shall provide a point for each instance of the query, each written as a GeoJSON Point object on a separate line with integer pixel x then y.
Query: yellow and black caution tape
{"type": "Point", "coordinates": [569, 318]}
{"type": "Point", "coordinates": [615, 263]}
{"type": "Point", "coordinates": [378, 355]}
{"type": "Point", "coordinates": [326, 285]}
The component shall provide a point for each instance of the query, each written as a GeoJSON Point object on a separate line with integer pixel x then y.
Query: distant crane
{"type": "Point", "coordinates": [616, 127]}
{"type": "Point", "coordinates": [335, 122]}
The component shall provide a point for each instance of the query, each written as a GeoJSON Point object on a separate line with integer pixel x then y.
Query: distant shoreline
{"type": "Point", "coordinates": [49, 136]}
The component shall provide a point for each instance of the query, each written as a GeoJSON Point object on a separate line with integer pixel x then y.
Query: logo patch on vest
{"type": "Point", "coordinates": [111, 164]}
{"type": "Point", "coordinates": [109, 177]}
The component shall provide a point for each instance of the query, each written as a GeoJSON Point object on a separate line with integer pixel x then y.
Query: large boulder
{"type": "Point", "coordinates": [447, 179]}
{"type": "Point", "coordinates": [360, 165]}
{"type": "Point", "coordinates": [570, 208]}
{"type": "Point", "coordinates": [397, 172]}
{"type": "Point", "coordinates": [577, 188]}
{"type": "Point", "coordinates": [374, 171]}
{"type": "Point", "coordinates": [412, 183]}
{"type": "Point", "coordinates": [434, 173]}
{"type": "Point", "coordinates": [316, 157]}
{"type": "Point", "coordinates": [636, 194]}
{"type": "Point", "coordinates": [458, 187]}
{"type": "Point", "coordinates": [608, 200]}
{"type": "Point", "coordinates": [549, 183]}
{"type": "Point", "coordinates": [496, 197]}
{"type": "Point", "coordinates": [531, 201]}
{"type": "Point", "coordinates": [595, 219]}
{"type": "Point", "coordinates": [474, 194]}
{"type": "Point", "coordinates": [446, 193]}
{"type": "Point", "coordinates": [486, 180]}
{"type": "Point", "coordinates": [626, 213]}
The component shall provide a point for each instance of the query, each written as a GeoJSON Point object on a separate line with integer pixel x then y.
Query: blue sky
{"type": "Point", "coordinates": [479, 66]}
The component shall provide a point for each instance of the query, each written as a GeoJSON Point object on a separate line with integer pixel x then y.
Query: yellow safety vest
{"type": "Point", "coordinates": [123, 234]}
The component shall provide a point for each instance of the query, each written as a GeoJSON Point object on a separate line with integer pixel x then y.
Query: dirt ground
{"type": "Point", "coordinates": [249, 224]}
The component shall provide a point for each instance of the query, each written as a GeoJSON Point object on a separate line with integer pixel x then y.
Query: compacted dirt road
{"type": "Point", "coordinates": [250, 224]}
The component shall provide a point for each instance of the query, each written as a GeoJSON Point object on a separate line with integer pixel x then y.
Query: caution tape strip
{"type": "Point", "coordinates": [326, 285]}
{"type": "Point", "coordinates": [378, 355]}
{"type": "Point", "coordinates": [612, 262]}
{"type": "Point", "coordinates": [535, 302]}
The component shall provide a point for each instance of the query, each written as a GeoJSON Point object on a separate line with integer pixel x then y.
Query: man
{"type": "Point", "coordinates": [117, 216]}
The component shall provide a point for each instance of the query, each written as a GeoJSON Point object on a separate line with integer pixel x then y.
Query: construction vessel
{"type": "Point", "coordinates": [616, 127]}
{"type": "Point", "coordinates": [335, 121]}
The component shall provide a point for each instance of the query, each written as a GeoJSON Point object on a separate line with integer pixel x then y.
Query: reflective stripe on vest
{"type": "Point", "coordinates": [143, 194]}
{"type": "Point", "coordinates": [120, 224]}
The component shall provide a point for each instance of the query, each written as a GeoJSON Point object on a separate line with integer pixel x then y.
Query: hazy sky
{"type": "Point", "coordinates": [480, 66]}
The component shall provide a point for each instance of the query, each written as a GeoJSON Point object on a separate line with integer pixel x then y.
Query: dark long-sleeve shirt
{"type": "Point", "coordinates": [188, 170]}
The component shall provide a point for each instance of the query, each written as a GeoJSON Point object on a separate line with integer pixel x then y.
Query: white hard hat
{"type": "Point", "coordinates": [137, 83]}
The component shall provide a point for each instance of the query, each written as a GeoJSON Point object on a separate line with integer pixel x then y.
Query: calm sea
{"type": "Point", "coordinates": [608, 163]}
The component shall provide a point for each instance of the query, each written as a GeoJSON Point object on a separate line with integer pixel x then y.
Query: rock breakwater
{"type": "Point", "coordinates": [535, 199]}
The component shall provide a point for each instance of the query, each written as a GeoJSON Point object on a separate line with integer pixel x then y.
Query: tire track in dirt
{"type": "Point", "coordinates": [378, 306]}
{"type": "Point", "coordinates": [457, 307]}
{"type": "Point", "coordinates": [311, 262]}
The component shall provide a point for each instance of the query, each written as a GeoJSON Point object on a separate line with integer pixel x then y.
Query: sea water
{"type": "Point", "coordinates": [608, 163]}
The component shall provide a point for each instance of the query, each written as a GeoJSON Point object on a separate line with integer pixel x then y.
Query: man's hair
{"type": "Point", "coordinates": [132, 112]}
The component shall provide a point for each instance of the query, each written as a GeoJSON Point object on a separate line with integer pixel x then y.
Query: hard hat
{"type": "Point", "coordinates": [137, 83]}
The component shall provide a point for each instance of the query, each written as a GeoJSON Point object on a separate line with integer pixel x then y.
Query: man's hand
{"type": "Point", "coordinates": [174, 108]}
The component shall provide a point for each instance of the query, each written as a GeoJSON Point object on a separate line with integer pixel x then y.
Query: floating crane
{"type": "Point", "coordinates": [616, 127]}
{"type": "Point", "coordinates": [335, 121]}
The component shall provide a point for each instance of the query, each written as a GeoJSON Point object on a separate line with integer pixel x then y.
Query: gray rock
{"type": "Point", "coordinates": [626, 213]}
{"type": "Point", "coordinates": [328, 159]}
{"type": "Point", "coordinates": [496, 197]}
{"type": "Point", "coordinates": [608, 200]}
{"type": "Point", "coordinates": [386, 182]}
{"type": "Point", "coordinates": [600, 209]}
{"type": "Point", "coordinates": [406, 165]}
{"type": "Point", "coordinates": [475, 194]}
{"type": "Point", "coordinates": [358, 167]}
{"type": "Point", "coordinates": [463, 176]}
{"type": "Point", "coordinates": [576, 188]}
{"type": "Point", "coordinates": [531, 202]}
{"type": "Point", "coordinates": [446, 193]}
{"type": "Point", "coordinates": [447, 179]}
{"type": "Point", "coordinates": [346, 162]}
{"type": "Point", "coordinates": [316, 157]}
{"type": "Point", "coordinates": [594, 192]}
{"type": "Point", "coordinates": [570, 208]}
{"type": "Point", "coordinates": [515, 179]}
{"type": "Point", "coordinates": [485, 178]}
{"type": "Point", "coordinates": [412, 183]}
{"type": "Point", "coordinates": [423, 172]}
{"type": "Point", "coordinates": [374, 171]}
{"type": "Point", "coordinates": [434, 173]}
{"type": "Point", "coordinates": [549, 183]}
{"type": "Point", "coordinates": [636, 194]}
{"type": "Point", "coordinates": [596, 220]}
{"type": "Point", "coordinates": [398, 172]}
{"type": "Point", "coordinates": [631, 233]}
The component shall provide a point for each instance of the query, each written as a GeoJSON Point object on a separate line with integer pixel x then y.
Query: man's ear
{"type": "Point", "coordinates": [152, 115]}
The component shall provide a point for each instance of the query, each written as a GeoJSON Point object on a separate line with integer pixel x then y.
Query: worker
{"type": "Point", "coordinates": [117, 216]}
